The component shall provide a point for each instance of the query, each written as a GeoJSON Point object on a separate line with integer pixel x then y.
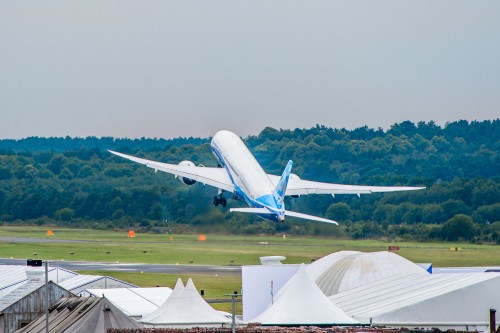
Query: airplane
{"type": "Point", "coordinates": [238, 172]}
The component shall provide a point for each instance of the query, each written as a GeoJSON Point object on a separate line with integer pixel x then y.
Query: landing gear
{"type": "Point", "coordinates": [220, 200]}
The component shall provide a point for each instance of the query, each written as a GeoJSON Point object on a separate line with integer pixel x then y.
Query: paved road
{"type": "Point", "coordinates": [146, 268]}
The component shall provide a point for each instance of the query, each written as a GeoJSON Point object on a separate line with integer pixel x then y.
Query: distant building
{"type": "Point", "coordinates": [13, 276]}
{"type": "Point", "coordinates": [82, 315]}
{"type": "Point", "coordinates": [27, 302]}
{"type": "Point", "coordinates": [22, 291]}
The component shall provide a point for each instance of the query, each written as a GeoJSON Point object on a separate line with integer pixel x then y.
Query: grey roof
{"type": "Point", "coordinates": [19, 293]}
{"type": "Point", "coordinates": [12, 276]}
{"type": "Point", "coordinates": [81, 282]}
{"type": "Point", "coordinates": [82, 314]}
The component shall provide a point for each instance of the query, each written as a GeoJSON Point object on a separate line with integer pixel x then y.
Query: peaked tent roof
{"type": "Point", "coordinates": [301, 302]}
{"type": "Point", "coordinates": [81, 315]}
{"type": "Point", "coordinates": [185, 307]}
{"type": "Point", "coordinates": [165, 307]}
{"type": "Point", "coordinates": [350, 269]}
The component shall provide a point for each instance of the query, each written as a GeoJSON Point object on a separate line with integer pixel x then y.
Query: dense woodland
{"type": "Point", "coordinates": [76, 182]}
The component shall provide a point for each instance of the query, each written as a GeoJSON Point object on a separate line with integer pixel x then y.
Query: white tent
{"type": "Point", "coordinates": [345, 270]}
{"type": "Point", "coordinates": [260, 285]}
{"type": "Point", "coordinates": [135, 302]}
{"type": "Point", "coordinates": [446, 301]}
{"type": "Point", "coordinates": [185, 308]}
{"type": "Point", "coordinates": [319, 266]}
{"type": "Point", "coordinates": [301, 302]}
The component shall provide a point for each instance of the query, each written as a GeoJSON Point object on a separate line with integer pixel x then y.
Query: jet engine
{"type": "Point", "coordinates": [185, 180]}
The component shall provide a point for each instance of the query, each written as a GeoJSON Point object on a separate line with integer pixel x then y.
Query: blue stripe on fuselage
{"type": "Point", "coordinates": [267, 200]}
{"type": "Point", "coordinates": [237, 189]}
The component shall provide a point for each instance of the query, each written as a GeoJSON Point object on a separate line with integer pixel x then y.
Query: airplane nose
{"type": "Point", "coordinates": [281, 218]}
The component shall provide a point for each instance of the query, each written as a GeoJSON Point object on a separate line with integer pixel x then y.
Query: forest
{"type": "Point", "coordinates": [77, 182]}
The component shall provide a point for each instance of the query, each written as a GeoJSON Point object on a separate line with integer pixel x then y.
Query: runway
{"type": "Point", "coordinates": [136, 267]}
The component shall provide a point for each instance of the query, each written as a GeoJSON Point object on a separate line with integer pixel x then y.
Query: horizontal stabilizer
{"type": "Point", "coordinates": [308, 217]}
{"type": "Point", "coordinates": [251, 210]}
{"type": "Point", "coordinates": [287, 213]}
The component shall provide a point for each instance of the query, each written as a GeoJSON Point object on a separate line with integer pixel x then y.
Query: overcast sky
{"type": "Point", "coordinates": [189, 68]}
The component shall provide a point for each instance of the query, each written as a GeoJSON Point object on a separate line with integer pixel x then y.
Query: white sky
{"type": "Point", "coordinates": [162, 68]}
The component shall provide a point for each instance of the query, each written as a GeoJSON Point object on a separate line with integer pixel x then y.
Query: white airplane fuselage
{"type": "Point", "coordinates": [249, 178]}
{"type": "Point", "coordinates": [243, 176]}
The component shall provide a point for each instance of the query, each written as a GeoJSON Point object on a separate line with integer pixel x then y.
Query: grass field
{"type": "Point", "coordinates": [116, 246]}
{"type": "Point", "coordinates": [112, 246]}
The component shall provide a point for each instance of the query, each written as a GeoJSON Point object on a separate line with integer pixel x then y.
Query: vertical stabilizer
{"type": "Point", "coordinates": [279, 191]}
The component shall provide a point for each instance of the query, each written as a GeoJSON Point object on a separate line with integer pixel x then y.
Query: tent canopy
{"type": "Point", "coordinates": [345, 270]}
{"type": "Point", "coordinates": [185, 307]}
{"type": "Point", "coordinates": [301, 302]}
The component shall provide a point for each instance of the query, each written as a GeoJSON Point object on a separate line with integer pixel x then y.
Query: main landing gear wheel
{"type": "Point", "coordinates": [220, 200]}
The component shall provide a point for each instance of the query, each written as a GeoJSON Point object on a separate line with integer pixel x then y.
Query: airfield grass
{"type": "Point", "coordinates": [115, 246]}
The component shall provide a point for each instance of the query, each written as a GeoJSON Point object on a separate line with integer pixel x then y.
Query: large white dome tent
{"type": "Point", "coordinates": [345, 270]}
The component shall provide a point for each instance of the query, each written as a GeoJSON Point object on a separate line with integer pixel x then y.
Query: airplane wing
{"type": "Point", "coordinates": [297, 186]}
{"type": "Point", "coordinates": [216, 177]}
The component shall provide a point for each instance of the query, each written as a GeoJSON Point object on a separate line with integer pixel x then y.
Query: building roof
{"type": "Point", "coordinates": [135, 302]}
{"type": "Point", "coordinates": [186, 308]}
{"type": "Point", "coordinates": [80, 282]}
{"type": "Point", "coordinates": [35, 281]}
{"type": "Point", "coordinates": [19, 293]}
{"type": "Point", "coordinates": [301, 302]}
{"type": "Point", "coordinates": [81, 315]}
{"type": "Point", "coordinates": [415, 299]}
{"type": "Point", "coordinates": [345, 270]}
{"type": "Point", "coordinates": [12, 276]}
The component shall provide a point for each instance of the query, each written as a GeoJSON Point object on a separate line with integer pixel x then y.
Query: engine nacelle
{"type": "Point", "coordinates": [185, 180]}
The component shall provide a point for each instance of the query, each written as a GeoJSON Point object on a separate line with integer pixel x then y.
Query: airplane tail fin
{"type": "Point", "coordinates": [280, 189]}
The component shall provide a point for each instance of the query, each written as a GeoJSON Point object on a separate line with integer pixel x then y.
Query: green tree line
{"type": "Point", "coordinates": [75, 181]}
